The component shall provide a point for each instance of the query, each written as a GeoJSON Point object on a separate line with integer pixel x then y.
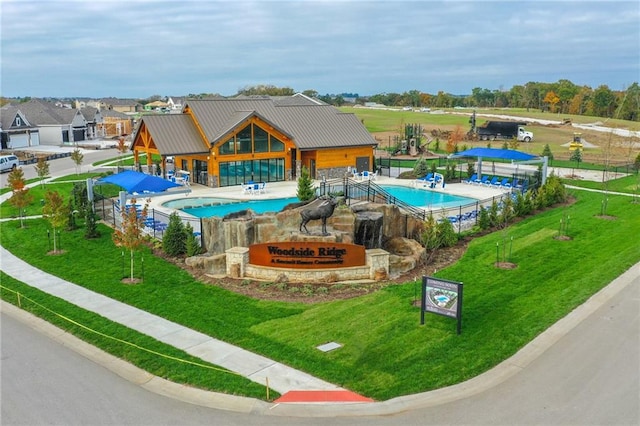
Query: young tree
{"type": "Point", "coordinates": [192, 245]}
{"type": "Point", "coordinates": [42, 169]}
{"type": "Point", "coordinates": [174, 238]}
{"type": "Point", "coordinates": [576, 156]}
{"type": "Point", "coordinates": [20, 197]}
{"type": "Point", "coordinates": [77, 156]}
{"type": "Point", "coordinates": [130, 235]}
{"type": "Point", "coordinates": [91, 230]}
{"type": "Point", "coordinates": [305, 185]}
{"type": "Point", "coordinates": [546, 152]}
{"type": "Point", "coordinates": [122, 149]}
{"type": "Point", "coordinates": [56, 212]}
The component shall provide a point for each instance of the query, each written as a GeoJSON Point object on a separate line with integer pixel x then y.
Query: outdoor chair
{"type": "Point", "coordinates": [472, 179]}
{"type": "Point", "coordinates": [484, 180]}
{"type": "Point", "coordinates": [491, 182]}
{"type": "Point", "coordinates": [505, 183]}
{"type": "Point", "coordinates": [496, 182]}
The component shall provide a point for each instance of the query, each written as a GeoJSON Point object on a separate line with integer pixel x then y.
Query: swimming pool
{"type": "Point", "coordinates": [219, 207]}
{"type": "Point", "coordinates": [425, 198]}
{"type": "Point", "coordinates": [210, 206]}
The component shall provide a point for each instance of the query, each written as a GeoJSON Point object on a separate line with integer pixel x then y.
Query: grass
{"type": "Point", "coordinates": [136, 348]}
{"type": "Point", "coordinates": [628, 184]}
{"type": "Point", "coordinates": [63, 185]}
{"type": "Point", "coordinates": [386, 352]}
{"type": "Point", "coordinates": [555, 135]}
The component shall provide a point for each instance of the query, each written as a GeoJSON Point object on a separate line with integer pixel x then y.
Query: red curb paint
{"type": "Point", "coordinates": [322, 396]}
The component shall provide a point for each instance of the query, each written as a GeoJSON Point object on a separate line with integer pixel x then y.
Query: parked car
{"type": "Point", "coordinates": [8, 162]}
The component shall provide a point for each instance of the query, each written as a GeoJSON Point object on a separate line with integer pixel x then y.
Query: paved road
{"type": "Point", "coordinates": [65, 166]}
{"type": "Point", "coordinates": [589, 376]}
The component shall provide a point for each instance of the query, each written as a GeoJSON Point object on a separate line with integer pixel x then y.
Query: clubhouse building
{"type": "Point", "coordinates": [230, 141]}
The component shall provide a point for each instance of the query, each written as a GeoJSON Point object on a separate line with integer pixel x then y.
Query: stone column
{"type": "Point", "coordinates": [378, 261]}
{"type": "Point", "coordinates": [237, 259]}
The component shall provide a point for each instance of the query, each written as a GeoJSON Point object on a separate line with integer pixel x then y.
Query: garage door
{"type": "Point", "coordinates": [18, 141]}
{"type": "Point", "coordinates": [78, 135]}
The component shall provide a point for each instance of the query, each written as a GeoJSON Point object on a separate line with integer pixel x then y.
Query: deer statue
{"type": "Point", "coordinates": [321, 208]}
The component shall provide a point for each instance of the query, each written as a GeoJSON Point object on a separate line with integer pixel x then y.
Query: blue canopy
{"type": "Point", "coordinates": [139, 182]}
{"type": "Point", "coordinates": [505, 154]}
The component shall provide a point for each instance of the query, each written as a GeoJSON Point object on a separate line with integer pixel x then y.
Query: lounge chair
{"type": "Point", "coordinates": [505, 183]}
{"type": "Point", "coordinates": [483, 181]}
{"type": "Point", "coordinates": [492, 182]}
{"type": "Point", "coordinates": [262, 188]}
{"type": "Point", "coordinates": [472, 179]}
{"type": "Point", "coordinates": [498, 182]}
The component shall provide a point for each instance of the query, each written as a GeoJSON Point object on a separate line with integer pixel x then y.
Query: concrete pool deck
{"type": "Point", "coordinates": [275, 190]}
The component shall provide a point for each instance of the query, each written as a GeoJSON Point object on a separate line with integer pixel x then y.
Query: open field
{"type": "Point", "coordinates": [608, 147]}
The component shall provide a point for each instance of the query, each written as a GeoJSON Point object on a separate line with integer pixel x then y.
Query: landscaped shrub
{"type": "Point", "coordinates": [305, 185]}
{"type": "Point", "coordinates": [421, 168]}
{"type": "Point", "coordinates": [174, 239]}
{"type": "Point", "coordinates": [447, 236]}
{"type": "Point", "coordinates": [192, 246]}
{"type": "Point", "coordinates": [483, 218]}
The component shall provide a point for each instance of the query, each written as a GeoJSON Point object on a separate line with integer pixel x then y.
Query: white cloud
{"type": "Point", "coordinates": [140, 48]}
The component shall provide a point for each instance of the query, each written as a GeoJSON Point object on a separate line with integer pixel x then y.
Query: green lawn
{"type": "Point", "coordinates": [386, 352]}
{"type": "Point", "coordinates": [628, 184]}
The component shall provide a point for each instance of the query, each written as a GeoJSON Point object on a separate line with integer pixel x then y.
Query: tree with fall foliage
{"type": "Point", "coordinates": [130, 235]}
{"type": "Point", "coordinates": [20, 197]}
{"type": "Point", "coordinates": [454, 139]}
{"type": "Point", "coordinates": [56, 211]}
{"type": "Point", "coordinates": [551, 99]}
{"type": "Point", "coordinates": [42, 169]}
{"type": "Point", "coordinates": [77, 156]}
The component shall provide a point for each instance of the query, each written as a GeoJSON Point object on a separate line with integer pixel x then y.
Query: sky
{"type": "Point", "coordinates": [138, 48]}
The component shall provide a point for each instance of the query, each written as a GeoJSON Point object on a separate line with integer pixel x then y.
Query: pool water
{"type": "Point", "coordinates": [424, 198]}
{"type": "Point", "coordinates": [229, 206]}
{"type": "Point", "coordinates": [208, 206]}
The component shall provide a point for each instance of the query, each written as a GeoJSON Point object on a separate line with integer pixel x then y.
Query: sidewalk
{"type": "Point", "coordinates": [255, 367]}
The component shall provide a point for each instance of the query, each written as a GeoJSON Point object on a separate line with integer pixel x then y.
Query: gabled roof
{"type": "Point", "coordinates": [114, 114]}
{"type": "Point", "coordinates": [41, 113]}
{"type": "Point", "coordinates": [120, 102]}
{"type": "Point", "coordinates": [89, 113]}
{"type": "Point", "coordinates": [174, 134]}
{"type": "Point", "coordinates": [310, 123]}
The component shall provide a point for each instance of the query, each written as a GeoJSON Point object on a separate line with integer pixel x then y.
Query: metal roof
{"type": "Point", "coordinates": [310, 124]}
{"type": "Point", "coordinates": [174, 134]}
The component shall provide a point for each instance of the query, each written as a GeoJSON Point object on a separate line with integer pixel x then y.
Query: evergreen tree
{"type": "Point", "coordinates": [192, 246]}
{"type": "Point", "coordinates": [91, 230]}
{"type": "Point", "coordinates": [546, 152]}
{"type": "Point", "coordinates": [305, 186]}
{"type": "Point", "coordinates": [174, 240]}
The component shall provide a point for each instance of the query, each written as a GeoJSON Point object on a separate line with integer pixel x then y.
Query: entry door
{"type": "Point", "coordinates": [294, 153]}
{"type": "Point", "coordinates": [312, 168]}
{"type": "Point", "coordinates": [362, 164]}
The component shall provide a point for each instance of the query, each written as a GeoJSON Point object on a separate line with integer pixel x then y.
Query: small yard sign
{"type": "Point", "coordinates": [441, 297]}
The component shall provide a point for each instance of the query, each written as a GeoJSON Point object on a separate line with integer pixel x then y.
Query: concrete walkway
{"type": "Point", "coordinates": [255, 367]}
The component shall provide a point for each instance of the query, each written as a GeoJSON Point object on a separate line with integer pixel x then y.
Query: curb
{"type": "Point", "coordinates": [500, 373]}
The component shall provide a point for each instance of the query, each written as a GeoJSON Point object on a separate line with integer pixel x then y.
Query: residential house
{"type": "Point", "coordinates": [116, 123]}
{"type": "Point", "coordinates": [16, 131]}
{"type": "Point", "coordinates": [56, 125]}
{"type": "Point", "coordinates": [223, 142]}
{"type": "Point", "coordinates": [126, 106]}
{"type": "Point", "coordinates": [95, 122]}
{"type": "Point", "coordinates": [175, 104]}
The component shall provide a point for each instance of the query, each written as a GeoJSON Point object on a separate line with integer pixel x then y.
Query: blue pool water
{"type": "Point", "coordinates": [225, 206]}
{"type": "Point", "coordinates": [208, 206]}
{"type": "Point", "coordinates": [424, 198]}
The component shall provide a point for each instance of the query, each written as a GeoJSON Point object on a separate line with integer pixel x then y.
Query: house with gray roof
{"type": "Point", "coordinates": [230, 141]}
{"type": "Point", "coordinates": [56, 125]}
{"type": "Point", "coordinates": [15, 129]}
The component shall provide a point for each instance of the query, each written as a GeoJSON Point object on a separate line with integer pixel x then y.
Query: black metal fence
{"type": "Point", "coordinates": [156, 221]}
